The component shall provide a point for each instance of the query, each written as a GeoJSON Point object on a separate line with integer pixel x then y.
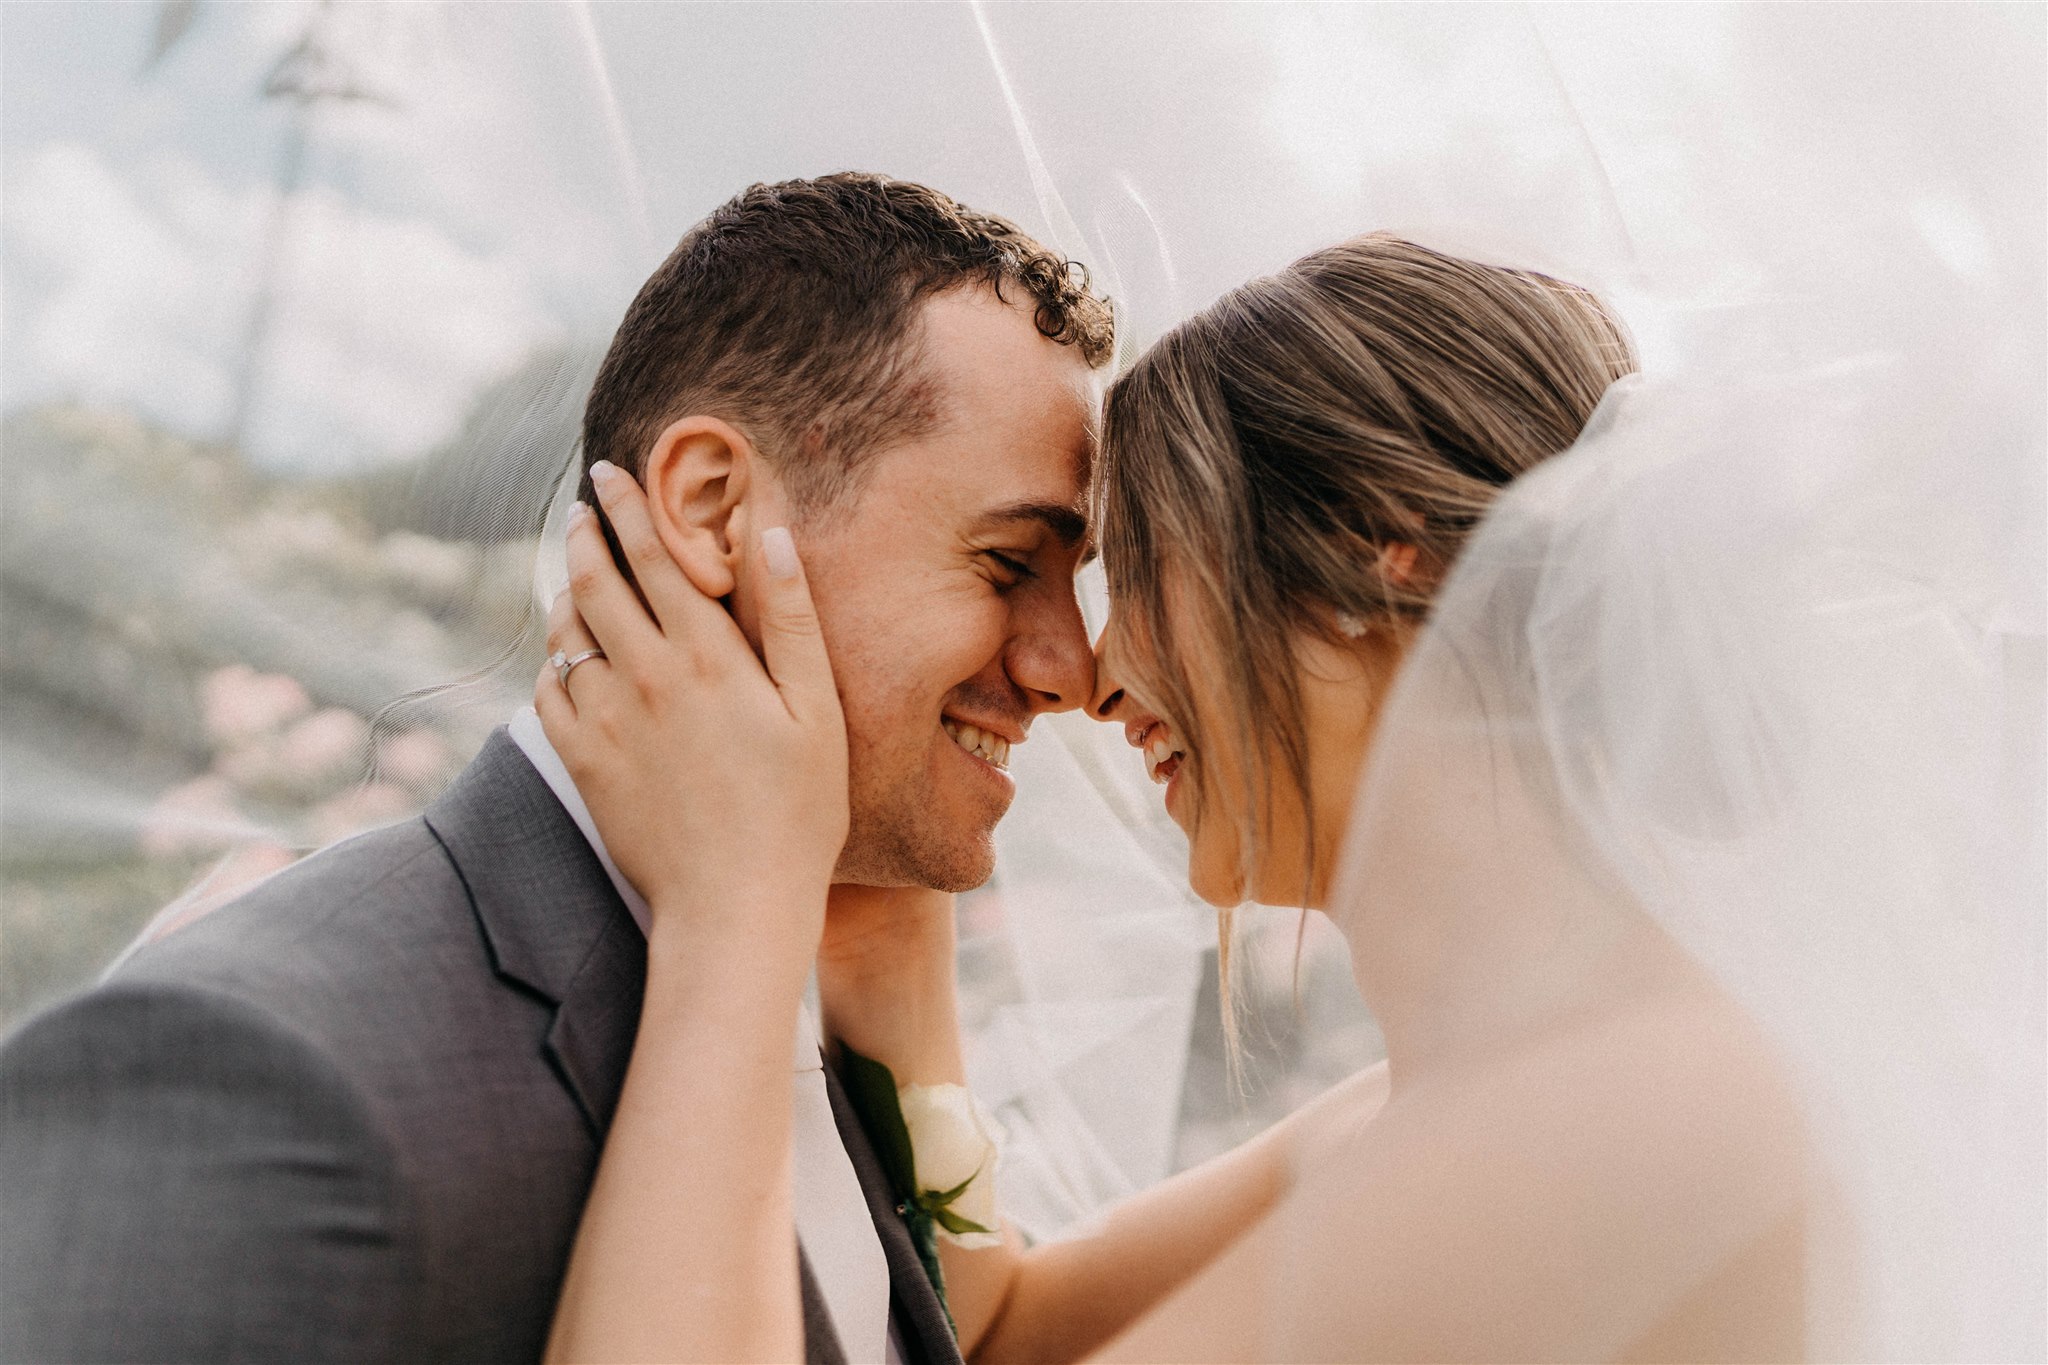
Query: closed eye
{"type": "Point", "coordinates": [1015, 570]}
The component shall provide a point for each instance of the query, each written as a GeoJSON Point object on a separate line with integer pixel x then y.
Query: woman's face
{"type": "Point", "coordinates": [1207, 792]}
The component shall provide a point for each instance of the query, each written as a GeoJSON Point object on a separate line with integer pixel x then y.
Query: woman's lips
{"type": "Point", "coordinates": [1162, 756]}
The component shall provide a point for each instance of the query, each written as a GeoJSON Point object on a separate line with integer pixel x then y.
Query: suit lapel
{"type": "Point", "coordinates": [550, 916]}
{"type": "Point", "coordinates": [556, 927]}
{"type": "Point", "coordinates": [928, 1337]}
{"type": "Point", "coordinates": [592, 1037]}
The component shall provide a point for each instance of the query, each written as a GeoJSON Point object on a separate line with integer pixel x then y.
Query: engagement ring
{"type": "Point", "coordinates": [565, 664]}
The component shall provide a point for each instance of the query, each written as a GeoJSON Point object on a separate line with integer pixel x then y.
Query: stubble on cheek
{"type": "Point", "coordinates": [905, 829]}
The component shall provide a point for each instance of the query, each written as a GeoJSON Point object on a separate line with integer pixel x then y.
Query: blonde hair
{"type": "Point", "coordinates": [1265, 453]}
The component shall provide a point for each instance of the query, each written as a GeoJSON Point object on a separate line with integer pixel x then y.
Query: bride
{"type": "Point", "coordinates": [1432, 618]}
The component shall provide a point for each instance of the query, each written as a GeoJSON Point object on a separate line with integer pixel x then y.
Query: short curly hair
{"type": "Point", "coordinates": [791, 312]}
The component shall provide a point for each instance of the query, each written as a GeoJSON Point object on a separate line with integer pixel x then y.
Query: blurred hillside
{"type": "Point", "coordinates": [191, 658]}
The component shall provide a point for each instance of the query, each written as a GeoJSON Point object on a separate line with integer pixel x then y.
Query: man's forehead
{"type": "Point", "coordinates": [1016, 420]}
{"type": "Point", "coordinates": [1041, 484]}
{"type": "Point", "coordinates": [978, 354]}
{"type": "Point", "coordinates": [960, 481]}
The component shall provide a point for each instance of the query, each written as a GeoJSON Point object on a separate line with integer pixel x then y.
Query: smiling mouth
{"type": "Point", "coordinates": [1162, 759]}
{"type": "Point", "coordinates": [992, 749]}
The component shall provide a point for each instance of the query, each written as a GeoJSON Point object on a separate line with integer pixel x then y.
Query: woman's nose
{"type": "Point", "coordinates": [1109, 695]}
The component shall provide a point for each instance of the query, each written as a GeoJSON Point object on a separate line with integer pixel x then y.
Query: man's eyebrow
{"type": "Point", "coordinates": [1067, 523]}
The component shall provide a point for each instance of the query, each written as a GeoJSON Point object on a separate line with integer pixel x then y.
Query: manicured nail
{"type": "Point", "coordinates": [578, 510]}
{"type": "Point", "coordinates": [780, 552]}
{"type": "Point", "coordinates": [602, 472]}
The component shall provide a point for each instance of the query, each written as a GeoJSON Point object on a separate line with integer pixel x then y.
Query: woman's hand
{"type": "Point", "coordinates": [718, 783]}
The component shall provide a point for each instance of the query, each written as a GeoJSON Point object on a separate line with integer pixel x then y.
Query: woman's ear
{"type": "Point", "coordinates": [697, 476]}
{"type": "Point", "coordinates": [1397, 563]}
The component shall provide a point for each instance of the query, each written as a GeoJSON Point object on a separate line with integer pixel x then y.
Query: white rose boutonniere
{"type": "Point", "coordinates": [954, 1153]}
{"type": "Point", "coordinates": [939, 1150]}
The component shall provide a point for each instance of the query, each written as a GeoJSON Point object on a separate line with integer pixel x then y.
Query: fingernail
{"type": "Point", "coordinates": [779, 550]}
{"type": "Point", "coordinates": [602, 471]}
{"type": "Point", "coordinates": [578, 510]}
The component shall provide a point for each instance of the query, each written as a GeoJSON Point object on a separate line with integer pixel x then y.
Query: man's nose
{"type": "Point", "coordinates": [1051, 660]}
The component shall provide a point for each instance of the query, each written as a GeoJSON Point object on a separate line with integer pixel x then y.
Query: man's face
{"type": "Point", "coordinates": [946, 593]}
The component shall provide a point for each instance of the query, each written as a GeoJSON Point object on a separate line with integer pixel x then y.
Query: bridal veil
{"type": "Point", "coordinates": [1762, 656]}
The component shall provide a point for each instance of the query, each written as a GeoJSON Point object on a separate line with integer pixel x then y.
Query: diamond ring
{"type": "Point", "coordinates": [565, 664]}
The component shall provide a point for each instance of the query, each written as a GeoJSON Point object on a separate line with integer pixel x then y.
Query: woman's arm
{"type": "Point", "coordinates": [687, 1248]}
{"type": "Point", "coordinates": [1628, 1188]}
{"type": "Point", "coordinates": [887, 987]}
{"type": "Point", "coordinates": [1070, 1297]}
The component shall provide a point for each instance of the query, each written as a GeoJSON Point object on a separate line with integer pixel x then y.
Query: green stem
{"type": "Point", "coordinates": [924, 1236]}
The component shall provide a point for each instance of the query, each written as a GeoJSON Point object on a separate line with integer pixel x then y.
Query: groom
{"type": "Point", "coordinates": [355, 1115]}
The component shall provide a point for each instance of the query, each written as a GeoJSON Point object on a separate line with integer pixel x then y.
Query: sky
{"type": "Point", "coordinates": [521, 168]}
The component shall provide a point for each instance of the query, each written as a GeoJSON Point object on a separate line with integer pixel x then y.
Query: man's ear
{"type": "Point", "coordinates": [697, 477]}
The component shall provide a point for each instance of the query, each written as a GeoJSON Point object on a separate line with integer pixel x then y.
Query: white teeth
{"type": "Point", "coordinates": [1158, 751]}
{"type": "Point", "coordinates": [981, 743]}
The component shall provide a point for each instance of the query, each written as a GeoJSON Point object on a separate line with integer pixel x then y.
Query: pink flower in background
{"type": "Point", "coordinates": [358, 808]}
{"type": "Point", "coordinates": [310, 759]}
{"type": "Point", "coordinates": [419, 759]}
{"type": "Point", "coordinates": [241, 704]}
{"type": "Point", "coordinates": [324, 746]}
{"type": "Point", "coordinates": [193, 817]}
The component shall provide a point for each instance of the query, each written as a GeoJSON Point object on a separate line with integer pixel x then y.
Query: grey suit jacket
{"type": "Point", "coordinates": [354, 1115]}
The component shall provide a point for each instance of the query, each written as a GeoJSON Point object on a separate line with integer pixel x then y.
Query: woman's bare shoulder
{"type": "Point", "coordinates": [1337, 1117]}
{"type": "Point", "coordinates": [1680, 1098]}
{"type": "Point", "coordinates": [1578, 1187]}
{"type": "Point", "coordinates": [1564, 1200]}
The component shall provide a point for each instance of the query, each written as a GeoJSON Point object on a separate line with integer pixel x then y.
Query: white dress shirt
{"type": "Point", "coordinates": [831, 1211]}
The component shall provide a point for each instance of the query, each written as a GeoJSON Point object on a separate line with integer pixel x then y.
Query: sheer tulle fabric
{"type": "Point", "coordinates": [306, 309]}
{"type": "Point", "coordinates": [1724, 665]}
{"type": "Point", "coordinates": [1761, 659]}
